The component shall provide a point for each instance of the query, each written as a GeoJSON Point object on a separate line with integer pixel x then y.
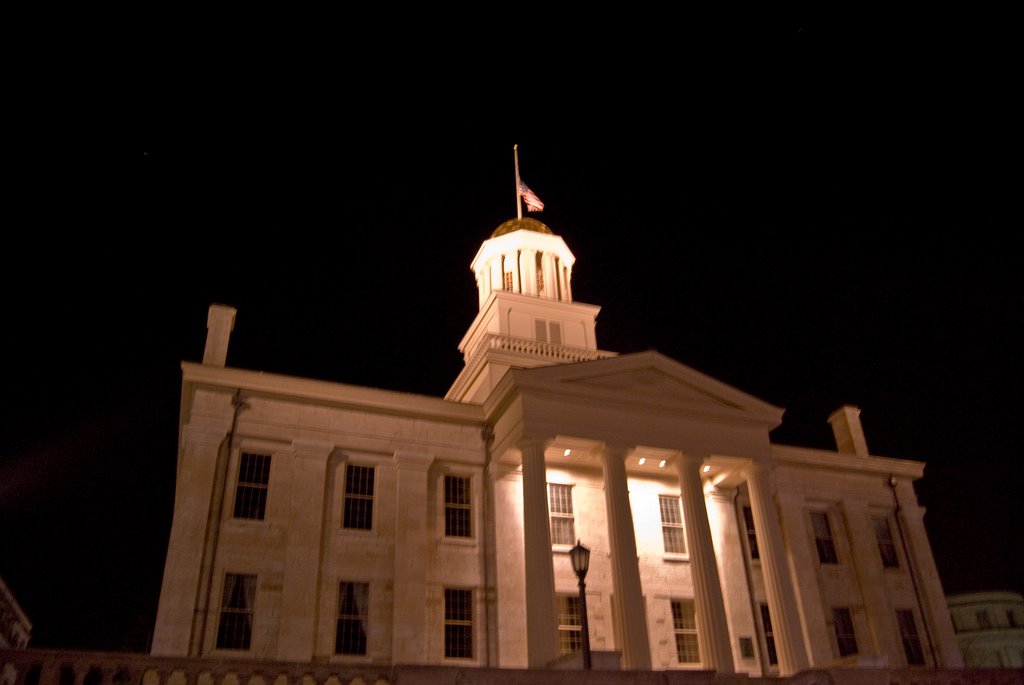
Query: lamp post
{"type": "Point", "coordinates": [580, 558]}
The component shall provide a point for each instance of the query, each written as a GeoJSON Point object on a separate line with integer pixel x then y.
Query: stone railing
{"type": "Point", "coordinates": [556, 353]}
{"type": "Point", "coordinates": [67, 667]}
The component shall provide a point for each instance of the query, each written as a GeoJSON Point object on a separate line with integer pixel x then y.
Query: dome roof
{"type": "Point", "coordinates": [523, 224]}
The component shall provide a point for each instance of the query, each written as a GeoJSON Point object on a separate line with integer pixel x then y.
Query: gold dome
{"type": "Point", "coordinates": [524, 224]}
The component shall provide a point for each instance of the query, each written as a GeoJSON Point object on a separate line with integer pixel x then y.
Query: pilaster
{"type": "Point", "coordinates": [300, 592]}
{"type": "Point", "coordinates": [409, 623]}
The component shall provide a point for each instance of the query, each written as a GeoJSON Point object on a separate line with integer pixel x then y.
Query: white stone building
{"type": "Point", "coordinates": [989, 627]}
{"type": "Point", "coordinates": [317, 521]}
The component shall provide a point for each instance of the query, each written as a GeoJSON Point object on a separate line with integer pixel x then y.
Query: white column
{"type": "Point", "coordinates": [712, 624]}
{"type": "Point", "coordinates": [528, 271]}
{"type": "Point", "coordinates": [778, 583]}
{"type": "Point", "coordinates": [409, 625]}
{"type": "Point", "coordinates": [541, 622]}
{"type": "Point", "coordinates": [300, 589]}
{"type": "Point", "coordinates": [567, 292]}
{"type": "Point", "coordinates": [497, 279]}
{"type": "Point", "coordinates": [629, 596]}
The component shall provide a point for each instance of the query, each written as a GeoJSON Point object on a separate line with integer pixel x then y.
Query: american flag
{"type": "Point", "coordinates": [533, 203]}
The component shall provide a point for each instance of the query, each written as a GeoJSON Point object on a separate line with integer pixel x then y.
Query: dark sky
{"type": "Point", "coordinates": [814, 225]}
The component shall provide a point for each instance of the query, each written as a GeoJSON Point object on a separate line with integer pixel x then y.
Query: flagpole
{"type": "Point", "coordinates": [519, 198]}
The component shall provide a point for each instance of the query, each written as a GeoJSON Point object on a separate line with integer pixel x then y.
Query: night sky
{"type": "Point", "coordinates": [816, 231]}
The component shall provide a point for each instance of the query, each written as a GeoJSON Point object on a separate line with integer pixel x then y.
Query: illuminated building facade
{"type": "Point", "coordinates": [317, 521]}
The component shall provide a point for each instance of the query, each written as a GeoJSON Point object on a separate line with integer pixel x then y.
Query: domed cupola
{"type": "Point", "coordinates": [524, 256]}
{"type": "Point", "coordinates": [527, 316]}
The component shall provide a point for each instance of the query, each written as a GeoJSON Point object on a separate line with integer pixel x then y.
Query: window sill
{"type": "Point", "coordinates": [674, 558]}
{"type": "Point", "coordinates": [458, 542]}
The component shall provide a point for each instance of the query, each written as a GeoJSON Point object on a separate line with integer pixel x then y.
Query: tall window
{"type": "Point", "coordinates": [842, 623]}
{"type": "Point", "coordinates": [748, 522]}
{"type": "Point", "coordinates": [458, 623]}
{"type": "Point", "coordinates": [769, 636]}
{"type": "Point", "coordinates": [570, 624]}
{"type": "Point", "coordinates": [507, 281]}
{"type": "Point", "coordinates": [563, 526]}
{"type": "Point", "coordinates": [353, 609]}
{"type": "Point", "coordinates": [983, 621]}
{"type": "Point", "coordinates": [908, 634]}
{"type": "Point", "coordinates": [236, 610]}
{"type": "Point", "coordinates": [548, 331]}
{"type": "Point", "coordinates": [684, 625]}
{"type": "Point", "coordinates": [672, 525]}
{"type": "Point", "coordinates": [251, 492]}
{"type": "Point", "coordinates": [358, 497]}
{"type": "Point", "coordinates": [823, 538]}
{"type": "Point", "coordinates": [886, 546]}
{"type": "Point", "coordinates": [456, 507]}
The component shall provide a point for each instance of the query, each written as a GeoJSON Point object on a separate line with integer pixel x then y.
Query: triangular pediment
{"type": "Point", "coordinates": [649, 380]}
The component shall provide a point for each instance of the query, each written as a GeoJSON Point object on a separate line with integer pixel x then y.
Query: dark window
{"type": "Point", "coordinates": [908, 634]}
{"type": "Point", "coordinates": [353, 609]}
{"type": "Point", "coordinates": [458, 623]}
{"type": "Point", "coordinates": [1011, 618]}
{"type": "Point", "coordinates": [358, 497]}
{"type": "Point", "coordinates": [570, 624]}
{"type": "Point", "coordinates": [846, 639]}
{"type": "Point", "coordinates": [983, 621]}
{"type": "Point", "coordinates": [748, 521]}
{"type": "Point", "coordinates": [747, 648]}
{"type": "Point", "coordinates": [823, 538]}
{"type": "Point", "coordinates": [684, 625]}
{"type": "Point", "coordinates": [769, 635]}
{"type": "Point", "coordinates": [886, 546]}
{"type": "Point", "coordinates": [253, 479]}
{"type": "Point", "coordinates": [236, 610]}
{"type": "Point", "coordinates": [456, 507]}
{"type": "Point", "coordinates": [563, 524]}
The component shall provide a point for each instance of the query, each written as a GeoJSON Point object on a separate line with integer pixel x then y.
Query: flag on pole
{"type": "Point", "coordinates": [533, 203]}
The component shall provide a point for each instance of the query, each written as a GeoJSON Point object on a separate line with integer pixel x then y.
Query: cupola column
{"type": "Point", "coordinates": [778, 583]}
{"type": "Point", "coordinates": [528, 271]}
{"type": "Point", "coordinates": [712, 625]}
{"type": "Point", "coordinates": [636, 649]}
{"type": "Point", "coordinates": [541, 622]}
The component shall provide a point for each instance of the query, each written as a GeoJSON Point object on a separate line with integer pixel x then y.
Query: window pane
{"type": "Point", "coordinates": [769, 635]}
{"type": "Point", "coordinates": [353, 609]}
{"type": "Point", "coordinates": [251, 491]}
{"type": "Point", "coordinates": [823, 538]}
{"type": "Point", "coordinates": [563, 529]}
{"type": "Point", "coordinates": [358, 508]}
{"type": "Point", "coordinates": [570, 635]}
{"type": "Point", "coordinates": [748, 520]}
{"type": "Point", "coordinates": [842, 621]}
{"type": "Point", "coordinates": [672, 525]}
{"type": "Point", "coordinates": [234, 630]}
{"type": "Point", "coordinates": [684, 625]}
{"type": "Point", "coordinates": [908, 634]}
{"type": "Point", "coordinates": [886, 546]}
{"type": "Point", "coordinates": [456, 507]}
{"type": "Point", "coordinates": [458, 623]}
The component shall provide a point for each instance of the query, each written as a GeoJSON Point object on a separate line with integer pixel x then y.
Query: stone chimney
{"type": "Point", "coordinates": [847, 429]}
{"type": "Point", "coordinates": [219, 324]}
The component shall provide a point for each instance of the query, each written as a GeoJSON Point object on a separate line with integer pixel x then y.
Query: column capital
{"type": "Point", "coordinates": [617, 449]}
{"type": "Point", "coordinates": [534, 442]}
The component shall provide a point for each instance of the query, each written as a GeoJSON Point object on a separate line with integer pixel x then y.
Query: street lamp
{"type": "Point", "coordinates": [580, 558]}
